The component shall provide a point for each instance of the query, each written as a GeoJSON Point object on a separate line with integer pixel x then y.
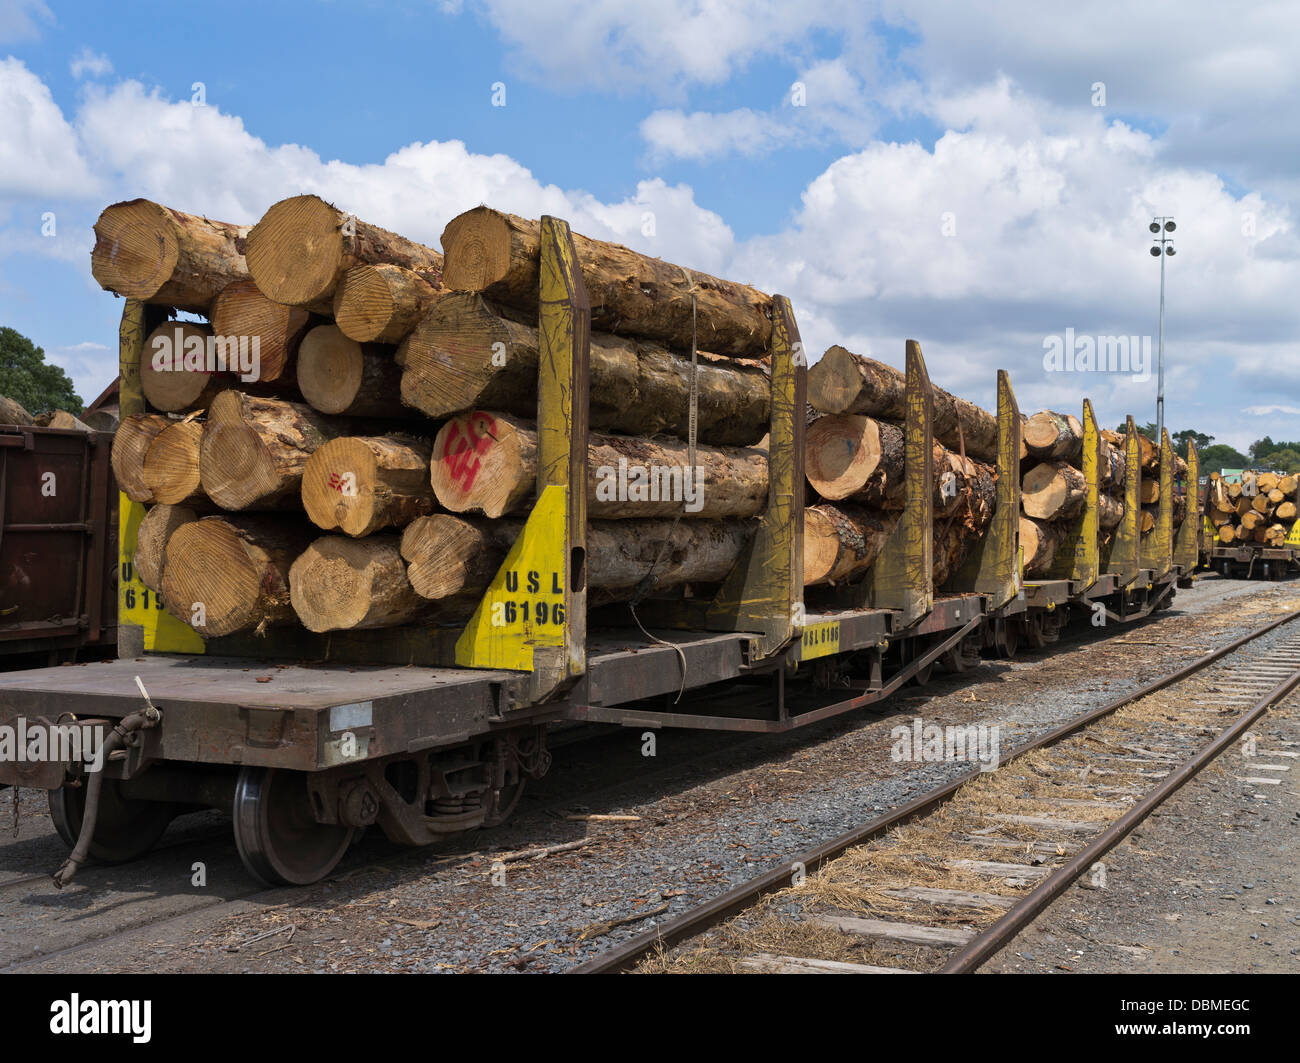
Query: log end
{"type": "Point", "coordinates": [479, 465]}
{"type": "Point", "coordinates": [841, 454]}
{"type": "Point", "coordinates": [833, 382]}
{"type": "Point", "coordinates": [171, 464]}
{"type": "Point", "coordinates": [330, 368]}
{"type": "Point", "coordinates": [171, 374]}
{"type": "Point", "coordinates": [363, 304]}
{"type": "Point", "coordinates": [295, 253]}
{"type": "Point", "coordinates": [476, 250]}
{"type": "Point", "coordinates": [136, 249]}
{"type": "Point", "coordinates": [437, 549]}
{"type": "Point", "coordinates": [333, 581]}
{"type": "Point", "coordinates": [209, 575]}
{"type": "Point", "coordinates": [338, 486]}
{"type": "Point", "coordinates": [235, 466]}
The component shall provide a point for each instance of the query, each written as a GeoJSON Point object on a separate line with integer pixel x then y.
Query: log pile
{"type": "Point", "coordinates": [854, 462]}
{"type": "Point", "coordinates": [1255, 508]}
{"type": "Point", "coordinates": [374, 464]}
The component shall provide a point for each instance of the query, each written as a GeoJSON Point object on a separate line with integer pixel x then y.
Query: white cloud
{"type": "Point", "coordinates": [1263, 411]}
{"type": "Point", "coordinates": [20, 20]}
{"type": "Point", "coordinates": [38, 149]}
{"type": "Point", "coordinates": [92, 63]}
{"type": "Point", "coordinates": [656, 47]}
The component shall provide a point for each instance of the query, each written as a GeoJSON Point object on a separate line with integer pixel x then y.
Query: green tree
{"type": "Point", "coordinates": [1190, 435]}
{"type": "Point", "coordinates": [1287, 459]}
{"type": "Point", "coordinates": [1220, 457]}
{"type": "Point", "coordinates": [26, 378]}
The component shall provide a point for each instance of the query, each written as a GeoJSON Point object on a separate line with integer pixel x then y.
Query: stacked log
{"type": "Point", "coordinates": [1256, 508]}
{"type": "Point", "coordinates": [1053, 488]}
{"type": "Point", "coordinates": [339, 503]}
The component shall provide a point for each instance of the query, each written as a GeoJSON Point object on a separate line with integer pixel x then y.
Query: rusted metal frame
{"type": "Point", "coordinates": [1027, 909]}
{"type": "Point", "coordinates": [901, 578]}
{"type": "Point", "coordinates": [994, 567]}
{"type": "Point", "coordinates": [1123, 555]}
{"type": "Point", "coordinates": [100, 518]}
{"type": "Point", "coordinates": [1166, 589]}
{"type": "Point", "coordinates": [1077, 556]}
{"type": "Point", "coordinates": [1186, 546]}
{"type": "Point", "coordinates": [737, 899]}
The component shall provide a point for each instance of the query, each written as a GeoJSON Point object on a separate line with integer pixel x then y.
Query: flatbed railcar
{"type": "Point", "coordinates": [430, 732]}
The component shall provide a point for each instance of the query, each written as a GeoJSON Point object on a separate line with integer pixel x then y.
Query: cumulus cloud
{"type": "Point", "coordinates": [92, 63]}
{"type": "Point", "coordinates": [21, 20]}
{"type": "Point", "coordinates": [39, 156]}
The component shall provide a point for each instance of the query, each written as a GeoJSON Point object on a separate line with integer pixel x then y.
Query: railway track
{"type": "Point", "coordinates": [944, 882]}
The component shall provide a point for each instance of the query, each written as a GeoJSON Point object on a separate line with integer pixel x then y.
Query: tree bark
{"type": "Point", "coordinates": [359, 484]}
{"type": "Point", "coordinates": [242, 310]}
{"type": "Point", "coordinates": [229, 574]}
{"type": "Point", "coordinates": [150, 252]}
{"type": "Point", "coordinates": [466, 355]}
{"type": "Point", "coordinates": [383, 302]}
{"type": "Point", "coordinates": [131, 442]}
{"type": "Point", "coordinates": [487, 463]}
{"type": "Point", "coordinates": [156, 528]}
{"type": "Point", "coordinates": [454, 558]}
{"type": "Point", "coordinates": [1051, 436]}
{"type": "Point", "coordinates": [171, 464]}
{"type": "Point", "coordinates": [254, 450]}
{"type": "Point", "coordinates": [12, 412]}
{"type": "Point", "coordinates": [844, 382]}
{"type": "Point", "coordinates": [1053, 491]}
{"type": "Point", "coordinates": [499, 254]}
{"type": "Point", "coordinates": [338, 375]}
{"type": "Point", "coordinates": [342, 584]}
{"type": "Point", "coordinates": [842, 541]}
{"type": "Point", "coordinates": [302, 247]}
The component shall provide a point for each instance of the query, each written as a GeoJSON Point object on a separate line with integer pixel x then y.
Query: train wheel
{"type": "Point", "coordinates": [505, 801]}
{"type": "Point", "coordinates": [276, 833]}
{"type": "Point", "coordinates": [125, 829]}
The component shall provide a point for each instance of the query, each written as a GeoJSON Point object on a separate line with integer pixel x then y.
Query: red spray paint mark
{"type": "Point", "coordinates": [463, 450]}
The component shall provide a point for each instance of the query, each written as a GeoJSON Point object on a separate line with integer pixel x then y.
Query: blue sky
{"type": "Point", "coordinates": [948, 174]}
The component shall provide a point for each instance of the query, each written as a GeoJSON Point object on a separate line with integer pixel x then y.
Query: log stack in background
{"type": "Point", "coordinates": [394, 410]}
{"type": "Point", "coordinates": [1257, 508]}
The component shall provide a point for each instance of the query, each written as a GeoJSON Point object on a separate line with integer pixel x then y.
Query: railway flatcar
{"type": "Point", "coordinates": [430, 731]}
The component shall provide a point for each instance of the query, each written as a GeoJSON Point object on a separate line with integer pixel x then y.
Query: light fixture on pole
{"type": "Point", "coordinates": [1162, 247]}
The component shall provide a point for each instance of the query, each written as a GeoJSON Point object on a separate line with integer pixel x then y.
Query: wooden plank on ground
{"type": "Point", "coordinates": [770, 964]}
{"type": "Point", "coordinates": [907, 933]}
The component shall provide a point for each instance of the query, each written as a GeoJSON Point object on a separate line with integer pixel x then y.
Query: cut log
{"type": "Point", "coordinates": [1261, 503]}
{"type": "Point", "coordinates": [171, 464]}
{"type": "Point", "coordinates": [254, 450]}
{"type": "Point", "coordinates": [382, 303]}
{"type": "Point", "coordinates": [1053, 491]}
{"type": "Point", "coordinates": [844, 382]}
{"type": "Point", "coordinates": [273, 330]}
{"type": "Point", "coordinates": [302, 247]}
{"type": "Point", "coordinates": [1266, 481]}
{"type": "Point", "coordinates": [173, 373]}
{"type": "Point", "coordinates": [465, 354]}
{"type": "Point", "coordinates": [1227, 534]}
{"type": "Point", "coordinates": [842, 541]}
{"type": "Point", "coordinates": [359, 484]}
{"type": "Point", "coordinates": [12, 412]}
{"type": "Point", "coordinates": [229, 574]}
{"type": "Point", "coordinates": [957, 531]}
{"type": "Point", "coordinates": [1039, 542]}
{"type": "Point", "coordinates": [156, 528]}
{"type": "Point", "coordinates": [1052, 436]}
{"type": "Point", "coordinates": [1110, 511]}
{"type": "Point", "coordinates": [1149, 492]}
{"type": "Point", "coordinates": [456, 557]}
{"type": "Point", "coordinates": [66, 421]}
{"type": "Point", "coordinates": [150, 252]}
{"type": "Point", "coordinates": [487, 463]}
{"type": "Point", "coordinates": [339, 375]}
{"type": "Point", "coordinates": [342, 584]}
{"type": "Point", "coordinates": [1148, 453]}
{"type": "Point", "coordinates": [1287, 485]}
{"type": "Point", "coordinates": [854, 456]}
{"type": "Point", "coordinates": [131, 443]}
{"type": "Point", "coordinates": [499, 254]}
{"type": "Point", "coordinates": [1250, 520]}
{"type": "Point", "coordinates": [1148, 520]}
{"type": "Point", "coordinates": [1285, 511]}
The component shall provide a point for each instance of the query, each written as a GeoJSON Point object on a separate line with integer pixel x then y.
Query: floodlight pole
{"type": "Point", "coordinates": [1162, 246]}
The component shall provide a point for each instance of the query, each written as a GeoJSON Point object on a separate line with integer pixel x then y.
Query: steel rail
{"type": "Point", "coordinates": [699, 919]}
